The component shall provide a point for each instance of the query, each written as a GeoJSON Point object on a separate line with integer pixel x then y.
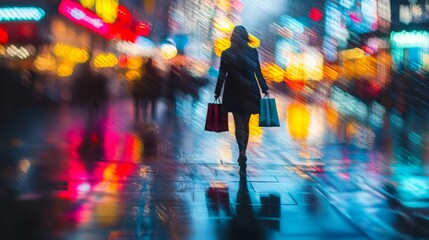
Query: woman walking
{"type": "Point", "coordinates": [241, 95]}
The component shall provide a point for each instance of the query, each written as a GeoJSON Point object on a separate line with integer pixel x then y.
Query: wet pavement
{"type": "Point", "coordinates": [74, 174]}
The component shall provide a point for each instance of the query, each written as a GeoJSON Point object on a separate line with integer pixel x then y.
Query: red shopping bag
{"type": "Point", "coordinates": [217, 120]}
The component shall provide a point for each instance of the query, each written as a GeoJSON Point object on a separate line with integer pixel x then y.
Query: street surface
{"type": "Point", "coordinates": [104, 175]}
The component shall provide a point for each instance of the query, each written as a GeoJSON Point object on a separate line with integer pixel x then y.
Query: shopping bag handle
{"type": "Point", "coordinates": [217, 100]}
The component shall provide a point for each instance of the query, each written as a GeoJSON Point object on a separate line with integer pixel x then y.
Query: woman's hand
{"type": "Point", "coordinates": [266, 93]}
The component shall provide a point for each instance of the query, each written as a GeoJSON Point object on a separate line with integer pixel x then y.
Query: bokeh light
{"type": "Point", "coordinates": [105, 60]}
{"type": "Point", "coordinates": [133, 75]}
{"type": "Point", "coordinates": [168, 51]}
{"type": "Point", "coordinates": [298, 120]}
{"type": "Point", "coordinates": [65, 70]}
{"type": "Point", "coordinates": [134, 63]}
{"type": "Point", "coordinates": [254, 42]}
{"type": "Point", "coordinates": [272, 72]}
{"type": "Point", "coordinates": [220, 45]}
{"type": "Point", "coordinates": [44, 63]}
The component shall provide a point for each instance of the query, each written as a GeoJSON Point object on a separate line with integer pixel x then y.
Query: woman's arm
{"type": "Point", "coordinates": [222, 75]}
{"type": "Point", "coordinates": [258, 72]}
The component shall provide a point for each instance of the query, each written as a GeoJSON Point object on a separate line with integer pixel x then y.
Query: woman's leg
{"type": "Point", "coordinates": [238, 122]}
{"type": "Point", "coordinates": [241, 121]}
{"type": "Point", "coordinates": [246, 121]}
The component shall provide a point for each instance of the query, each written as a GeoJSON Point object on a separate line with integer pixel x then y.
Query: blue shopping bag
{"type": "Point", "coordinates": [268, 116]}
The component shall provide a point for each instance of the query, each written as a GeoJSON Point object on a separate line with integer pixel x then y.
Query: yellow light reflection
{"type": "Point", "coordinates": [106, 9]}
{"type": "Point", "coordinates": [295, 70]}
{"type": "Point", "coordinates": [332, 116]}
{"type": "Point", "coordinates": [135, 63]}
{"type": "Point", "coordinates": [305, 66]}
{"type": "Point", "coordinates": [71, 53]}
{"type": "Point", "coordinates": [224, 5]}
{"type": "Point", "coordinates": [255, 132]}
{"type": "Point", "coordinates": [272, 72]}
{"type": "Point", "coordinates": [87, 3]}
{"type": "Point", "coordinates": [254, 42]}
{"type": "Point", "coordinates": [137, 148]}
{"type": "Point", "coordinates": [354, 53]}
{"type": "Point", "coordinates": [65, 70]}
{"type": "Point", "coordinates": [105, 60]}
{"type": "Point", "coordinates": [220, 45]}
{"type": "Point", "coordinates": [45, 62]}
{"type": "Point", "coordinates": [132, 75]}
{"type": "Point", "coordinates": [224, 25]}
{"type": "Point", "coordinates": [364, 67]}
{"type": "Point", "coordinates": [330, 73]}
{"type": "Point", "coordinates": [298, 120]}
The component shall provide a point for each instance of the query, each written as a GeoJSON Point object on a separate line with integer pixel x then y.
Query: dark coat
{"type": "Point", "coordinates": [238, 68]}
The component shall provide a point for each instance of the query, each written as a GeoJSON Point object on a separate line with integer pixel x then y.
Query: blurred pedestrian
{"type": "Point", "coordinates": [195, 85]}
{"type": "Point", "coordinates": [136, 89]}
{"type": "Point", "coordinates": [241, 95]}
{"type": "Point", "coordinates": [151, 89]}
{"type": "Point", "coordinates": [90, 88]}
{"type": "Point", "coordinates": [172, 87]}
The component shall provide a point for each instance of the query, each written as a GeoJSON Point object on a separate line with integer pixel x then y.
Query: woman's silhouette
{"type": "Point", "coordinates": [238, 67]}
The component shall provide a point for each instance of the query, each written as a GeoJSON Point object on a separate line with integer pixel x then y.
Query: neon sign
{"type": "Point", "coordinates": [412, 39]}
{"type": "Point", "coordinates": [78, 14]}
{"type": "Point", "coordinates": [10, 14]}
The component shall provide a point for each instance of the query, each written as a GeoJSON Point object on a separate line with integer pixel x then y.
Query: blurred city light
{"type": "Point", "coordinates": [132, 75]}
{"type": "Point", "coordinates": [103, 105]}
{"type": "Point", "coordinates": [254, 42]}
{"type": "Point", "coordinates": [134, 62]}
{"type": "Point", "coordinates": [105, 60]}
{"type": "Point", "coordinates": [315, 14]}
{"type": "Point", "coordinates": [168, 51]}
{"type": "Point", "coordinates": [80, 15]}
{"type": "Point", "coordinates": [224, 24]}
{"type": "Point", "coordinates": [21, 52]}
{"type": "Point", "coordinates": [411, 39]}
{"type": "Point", "coordinates": [298, 120]}
{"type": "Point", "coordinates": [65, 69]}
{"type": "Point", "coordinates": [4, 36]}
{"type": "Point", "coordinates": [44, 63]}
{"type": "Point", "coordinates": [9, 14]}
{"type": "Point", "coordinates": [220, 45]}
{"type": "Point", "coordinates": [106, 9]}
{"type": "Point", "coordinates": [272, 72]}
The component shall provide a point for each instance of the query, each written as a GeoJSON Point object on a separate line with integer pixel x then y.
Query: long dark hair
{"type": "Point", "coordinates": [239, 37]}
{"type": "Point", "coordinates": [239, 46]}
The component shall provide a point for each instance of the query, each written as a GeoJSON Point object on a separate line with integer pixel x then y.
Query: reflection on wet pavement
{"type": "Point", "coordinates": [323, 174]}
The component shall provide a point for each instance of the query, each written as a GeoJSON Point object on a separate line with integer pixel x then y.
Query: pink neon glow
{"type": "Point", "coordinates": [355, 18]}
{"type": "Point", "coordinates": [78, 14]}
